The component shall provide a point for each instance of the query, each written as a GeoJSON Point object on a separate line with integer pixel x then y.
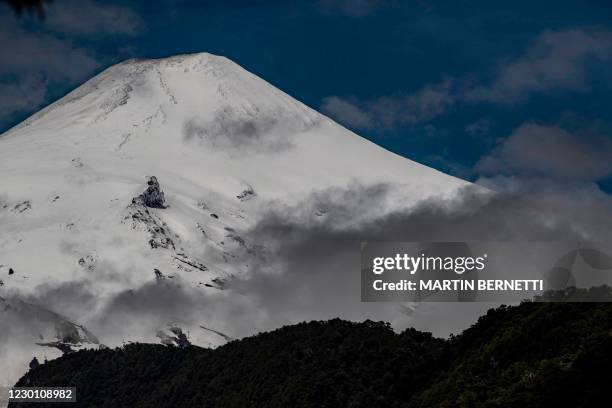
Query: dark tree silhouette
{"type": "Point", "coordinates": [34, 363]}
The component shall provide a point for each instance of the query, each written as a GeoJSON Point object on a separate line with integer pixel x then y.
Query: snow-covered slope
{"type": "Point", "coordinates": [222, 143]}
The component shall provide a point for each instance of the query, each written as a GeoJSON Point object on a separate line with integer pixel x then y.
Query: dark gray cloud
{"type": "Point", "coordinates": [550, 151]}
{"type": "Point", "coordinates": [88, 17]}
{"type": "Point", "coordinates": [555, 60]}
{"type": "Point", "coordinates": [25, 53]}
{"type": "Point", "coordinates": [231, 131]}
{"type": "Point", "coordinates": [35, 59]}
{"type": "Point", "coordinates": [32, 62]}
{"type": "Point", "coordinates": [312, 264]}
{"type": "Point", "coordinates": [388, 111]}
{"type": "Point", "coordinates": [348, 112]}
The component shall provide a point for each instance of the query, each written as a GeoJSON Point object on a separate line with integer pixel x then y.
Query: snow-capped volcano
{"type": "Point", "coordinates": [219, 140]}
{"type": "Point", "coordinates": [222, 144]}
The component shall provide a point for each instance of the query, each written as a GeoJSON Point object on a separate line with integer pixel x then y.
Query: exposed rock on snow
{"type": "Point", "coordinates": [246, 194]}
{"type": "Point", "coordinates": [220, 282]}
{"type": "Point", "coordinates": [176, 338]}
{"type": "Point", "coordinates": [223, 335]}
{"type": "Point", "coordinates": [159, 276]}
{"type": "Point", "coordinates": [88, 262]}
{"type": "Point", "coordinates": [22, 207]}
{"type": "Point", "coordinates": [153, 196]}
{"type": "Point", "coordinates": [184, 259]}
{"type": "Point", "coordinates": [141, 217]}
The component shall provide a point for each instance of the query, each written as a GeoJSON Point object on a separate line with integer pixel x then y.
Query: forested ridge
{"type": "Point", "coordinates": [532, 355]}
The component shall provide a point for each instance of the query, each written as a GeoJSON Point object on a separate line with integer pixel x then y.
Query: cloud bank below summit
{"type": "Point", "coordinates": [309, 266]}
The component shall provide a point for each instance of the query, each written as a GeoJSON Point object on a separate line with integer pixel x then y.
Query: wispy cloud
{"type": "Point", "coordinates": [31, 62]}
{"type": "Point", "coordinates": [38, 54]}
{"type": "Point", "coordinates": [90, 17]}
{"type": "Point", "coordinates": [348, 112]}
{"type": "Point", "coordinates": [388, 111]}
{"type": "Point", "coordinates": [550, 151]}
{"type": "Point", "coordinates": [26, 53]}
{"type": "Point", "coordinates": [556, 60]}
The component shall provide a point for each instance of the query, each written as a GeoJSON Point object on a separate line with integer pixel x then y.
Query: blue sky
{"type": "Point", "coordinates": [473, 88]}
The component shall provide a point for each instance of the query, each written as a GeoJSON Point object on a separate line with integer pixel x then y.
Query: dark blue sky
{"type": "Point", "coordinates": [470, 87]}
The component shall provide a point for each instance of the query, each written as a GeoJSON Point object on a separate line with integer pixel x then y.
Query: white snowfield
{"type": "Point", "coordinates": [223, 145]}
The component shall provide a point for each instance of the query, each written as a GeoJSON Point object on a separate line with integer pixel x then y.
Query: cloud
{"type": "Point", "coordinates": [311, 270]}
{"type": "Point", "coordinates": [388, 111]}
{"type": "Point", "coordinates": [307, 264]}
{"type": "Point", "coordinates": [38, 54]}
{"type": "Point", "coordinates": [25, 53]}
{"type": "Point", "coordinates": [550, 151]}
{"type": "Point", "coordinates": [246, 134]}
{"type": "Point", "coordinates": [555, 60]}
{"type": "Point", "coordinates": [31, 62]}
{"type": "Point", "coordinates": [347, 112]}
{"type": "Point", "coordinates": [90, 17]}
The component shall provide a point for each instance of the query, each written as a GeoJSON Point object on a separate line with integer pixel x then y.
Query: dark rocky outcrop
{"type": "Point", "coordinates": [246, 194]}
{"type": "Point", "coordinates": [177, 338]}
{"type": "Point", "coordinates": [153, 196]}
{"type": "Point", "coordinates": [141, 217]}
